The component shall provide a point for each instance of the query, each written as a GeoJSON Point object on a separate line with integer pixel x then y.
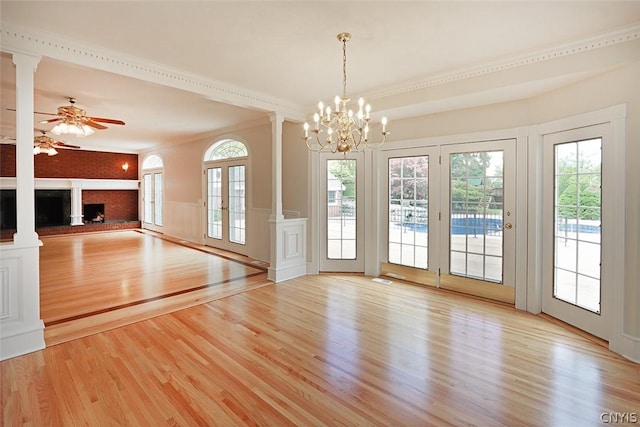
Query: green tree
{"type": "Point", "coordinates": [345, 171]}
{"type": "Point", "coordinates": [578, 195]}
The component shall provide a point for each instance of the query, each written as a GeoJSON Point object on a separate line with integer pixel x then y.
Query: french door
{"type": "Point", "coordinates": [341, 201]}
{"type": "Point", "coordinates": [573, 289]}
{"type": "Point", "coordinates": [478, 219]}
{"type": "Point", "coordinates": [152, 183]}
{"type": "Point", "coordinates": [451, 216]}
{"type": "Point", "coordinates": [226, 205]}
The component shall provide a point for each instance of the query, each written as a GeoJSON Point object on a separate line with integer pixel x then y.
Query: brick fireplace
{"type": "Point", "coordinates": [68, 183]}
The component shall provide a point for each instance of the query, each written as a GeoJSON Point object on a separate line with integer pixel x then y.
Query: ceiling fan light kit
{"type": "Point", "coordinates": [71, 128]}
{"type": "Point", "coordinates": [45, 149]}
{"type": "Point", "coordinates": [43, 144]}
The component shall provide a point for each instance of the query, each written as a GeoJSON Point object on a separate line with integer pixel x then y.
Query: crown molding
{"type": "Point", "coordinates": [26, 41]}
{"type": "Point", "coordinates": [624, 35]}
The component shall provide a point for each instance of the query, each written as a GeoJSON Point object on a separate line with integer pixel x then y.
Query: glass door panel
{"type": "Point", "coordinates": [476, 214]}
{"type": "Point", "coordinates": [157, 197]}
{"type": "Point", "coordinates": [341, 209]}
{"type": "Point", "coordinates": [577, 198]}
{"type": "Point", "coordinates": [147, 206]}
{"type": "Point", "coordinates": [214, 203]}
{"type": "Point", "coordinates": [408, 211]}
{"type": "Point", "coordinates": [237, 204]}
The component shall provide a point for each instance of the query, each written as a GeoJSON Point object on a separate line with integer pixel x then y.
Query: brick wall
{"type": "Point", "coordinates": [73, 164]}
{"type": "Point", "coordinates": [119, 205]}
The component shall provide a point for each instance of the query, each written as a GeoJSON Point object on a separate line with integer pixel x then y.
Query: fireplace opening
{"type": "Point", "coordinates": [53, 208]}
{"type": "Point", "coordinates": [8, 209]}
{"type": "Point", "coordinates": [93, 212]}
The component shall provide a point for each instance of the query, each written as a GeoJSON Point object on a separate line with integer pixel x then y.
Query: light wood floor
{"type": "Point", "coordinates": [325, 350]}
{"type": "Point", "coordinates": [97, 281]}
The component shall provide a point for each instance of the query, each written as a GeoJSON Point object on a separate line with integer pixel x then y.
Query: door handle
{"type": "Point", "coordinates": [508, 226]}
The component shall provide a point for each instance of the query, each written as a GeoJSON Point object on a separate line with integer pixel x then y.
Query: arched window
{"type": "Point", "coordinates": [152, 162]}
{"type": "Point", "coordinates": [226, 149]}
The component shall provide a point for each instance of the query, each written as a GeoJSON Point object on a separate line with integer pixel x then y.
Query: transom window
{"type": "Point", "coordinates": [226, 149]}
{"type": "Point", "coordinates": [152, 162]}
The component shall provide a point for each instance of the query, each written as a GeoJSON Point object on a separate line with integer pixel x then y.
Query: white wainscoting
{"type": "Point", "coordinates": [184, 221]}
{"type": "Point", "coordinates": [259, 234]}
{"type": "Point", "coordinates": [291, 250]}
{"type": "Point", "coordinates": [21, 329]}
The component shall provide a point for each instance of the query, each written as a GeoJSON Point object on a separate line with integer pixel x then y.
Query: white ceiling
{"type": "Point", "coordinates": [287, 52]}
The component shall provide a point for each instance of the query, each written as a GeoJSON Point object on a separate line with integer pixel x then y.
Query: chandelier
{"type": "Point", "coordinates": [347, 130]}
{"type": "Point", "coordinates": [73, 126]}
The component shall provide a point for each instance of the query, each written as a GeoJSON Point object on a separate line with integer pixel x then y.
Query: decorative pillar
{"type": "Point", "coordinates": [276, 218]}
{"type": "Point", "coordinates": [21, 328]}
{"type": "Point", "coordinates": [276, 163]}
{"type": "Point", "coordinates": [288, 236]}
{"type": "Point", "coordinates": [25, 190]}
{"type": "Point", "coordinates": [76, 203]}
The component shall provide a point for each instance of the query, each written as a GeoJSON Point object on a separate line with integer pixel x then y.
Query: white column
{"type": "Point", "coordinates": [276, 162]}
{"type": "Point", "coordinates": [21, 329]}
{"type": "Point", "coordinates": [288, 236]}
{"type": "Point", "coordinates": [76, 203]}
{"type": "Point", "coordinates": [25, 192]}
{"type": "Point", "coordinates": [276, 218]}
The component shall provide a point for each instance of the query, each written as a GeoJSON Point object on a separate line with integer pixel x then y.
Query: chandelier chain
{"type": "Point", "coordinates": [344, 68]}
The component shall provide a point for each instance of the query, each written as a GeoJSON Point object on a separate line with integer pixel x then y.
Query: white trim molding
{"type": "Point", "coordinates": [19, 39]}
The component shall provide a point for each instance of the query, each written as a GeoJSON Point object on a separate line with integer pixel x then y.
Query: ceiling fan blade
{"type": "Point", "coordinates": [57, 119]}
{"type": "Point", "coordinates": [61, 144]}
{"type": "Point", "coordinates": [36, 112]}
{"type": "Point", "coordinates": [93, 124]}
{"type": "Point", "coordinates": [110, 121]}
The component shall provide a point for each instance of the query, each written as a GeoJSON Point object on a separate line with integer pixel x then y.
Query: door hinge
{"type": "Point", "coordinates": [439, 216]}
{"type": "Point", "coordinates": [439, 160]}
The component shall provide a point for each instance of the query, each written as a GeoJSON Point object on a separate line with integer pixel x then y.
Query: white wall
{"type": "Point", "coordinates": [183, 187]}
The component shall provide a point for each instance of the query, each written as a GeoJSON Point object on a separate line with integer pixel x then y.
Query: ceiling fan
{"type": "Point", "coordinates": [45, 144]}
{"type": "Point", "coordinates": [74, 120]}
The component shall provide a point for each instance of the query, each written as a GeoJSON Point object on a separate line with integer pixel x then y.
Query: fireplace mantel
{"type": "Point", "coordinates": [9, 183]}
{"type": "Point", "coordinates": [76, 186]}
